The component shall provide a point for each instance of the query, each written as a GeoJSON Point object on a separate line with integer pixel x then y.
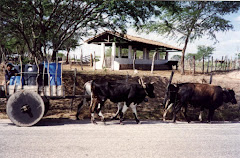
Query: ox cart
{"type": "Point", "coordinates": [29, 92]}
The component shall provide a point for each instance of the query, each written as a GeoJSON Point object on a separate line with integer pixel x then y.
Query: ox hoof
{"type": "Point", "coordinates": [121, 123]}
{"type": "Point", "coordinates": [94, 122]}
{"type": "Point", "coordinates": [139, 122]}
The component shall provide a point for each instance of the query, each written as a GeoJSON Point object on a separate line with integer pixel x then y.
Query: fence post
{"type": "Point", "coordinates": [221, 63]}
{"type": "Point", "coordinates": [216, 65]}
{"type": "Point", "coordinates": [203, 65]}
{"type": "Point", "coordinates": [81, 59]}
{"type": "Point", "coordinates": [225, 63]}
{"type": "Point", "coordinates": [194, 69]}
{"type": "Point", "coordinates": [94, 61]}
{"type": "Point", "coordinates": [189, 63]}
{"type": "Point", "coordinates": [91, 60]}
{"type": "Point", "coordinates": [208, 65]}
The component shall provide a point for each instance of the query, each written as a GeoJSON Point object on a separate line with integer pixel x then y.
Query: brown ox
{"type": "Point", "coordinates": [204, 96]}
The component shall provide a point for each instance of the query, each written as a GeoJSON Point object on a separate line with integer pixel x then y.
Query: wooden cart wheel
{"type": "Point", "coordinates": [25, 108]}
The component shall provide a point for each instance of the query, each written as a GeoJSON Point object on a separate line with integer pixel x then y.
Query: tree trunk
{"type": "Point", "coordinates": [194, 65]}
{"type": "Point", "coordinates": [54, 55]}
{"type": "Point", "coordinates": [68, 51]}
{"type": "Point", "coordinates": [152, 68]}
{"type": "Point", "coordinates": [183, 55]}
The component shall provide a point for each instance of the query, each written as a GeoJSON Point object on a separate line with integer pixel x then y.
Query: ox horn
{"type": "Point", "coordinates": [141, 81]}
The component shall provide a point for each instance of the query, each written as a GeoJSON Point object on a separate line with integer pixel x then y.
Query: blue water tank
{"type": "Point", "coordinates": [17, 79]}
{"type": "Point", "coordinates": [53, 67]}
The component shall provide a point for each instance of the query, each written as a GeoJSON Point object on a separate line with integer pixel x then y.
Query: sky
{"type": "Point", "coordinates": [228, 45]}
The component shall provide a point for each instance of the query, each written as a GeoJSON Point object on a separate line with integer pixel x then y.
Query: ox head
{"type": "Point", "coordinates": [148, 87]}
{"type": "Point", "coordinates": [229, 96]}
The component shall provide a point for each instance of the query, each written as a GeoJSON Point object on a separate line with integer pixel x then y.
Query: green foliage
{"type": "Point", "coordinates": [61, 55]}
{"type": "Point", "coordinates": [108, 52]}
{"type": "Point", "coordinates": [205, 51]}
{"type": "Point", "coordinates": [190, 56]}
{"type": "Point", "coordinates": [41, 25]}
{"type": "Point", "coordinates": [192, 20]}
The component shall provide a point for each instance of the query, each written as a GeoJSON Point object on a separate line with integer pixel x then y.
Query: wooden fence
{"type": "Point", "coordinates": [211, 65]}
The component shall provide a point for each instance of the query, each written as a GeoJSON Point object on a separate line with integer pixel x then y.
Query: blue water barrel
{"type": "Point", "coordinates": [17, 79]}
{"type": "Point", "coordinates": [52, 70]}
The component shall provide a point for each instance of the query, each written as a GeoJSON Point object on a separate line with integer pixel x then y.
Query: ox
{"type": "Point", "coordinates": [132, 94]}
{"type": "Point", "coordinates": [87, 91]}
{"type": "Point", "coordinates": [204, 96]}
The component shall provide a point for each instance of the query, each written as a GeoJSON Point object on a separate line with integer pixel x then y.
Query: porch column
{"type": "Point", "coordinates": [144, 53]}
{"type": "Point", "coordinates": [147, 54]}
{"type": "Point", "coordinates": [113, 55]}
{"type": "Point", "coordinates": [129, 52]}
{"type": "Point", "coordinates": [166, 57]}
{"type": "Point", "coordinates": [102, 58]}
{"type": "Point", "coordinates": [119, 51]}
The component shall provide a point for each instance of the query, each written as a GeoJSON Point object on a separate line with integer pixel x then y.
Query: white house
{"type": "Point", "coordinates": [132, 43]}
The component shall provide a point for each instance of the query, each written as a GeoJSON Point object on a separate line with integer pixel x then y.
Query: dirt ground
{"type": "Point", "coordinates": [152, 109]}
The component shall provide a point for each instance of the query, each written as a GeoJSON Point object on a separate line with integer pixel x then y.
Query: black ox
{"type": "Point", "coordinates": [132, 94]}
{"type": "Point", "coordinates": [204, 96]}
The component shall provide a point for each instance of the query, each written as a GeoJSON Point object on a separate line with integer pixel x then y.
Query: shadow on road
{"type": "Point", "coordinates": [60, 122]}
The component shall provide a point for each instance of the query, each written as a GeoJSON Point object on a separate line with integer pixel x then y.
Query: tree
{"type": "Point", "coordinates": [48, 24]}
{"type": "Point", "coordinates": [205, 51]}
{"type": "Point", "coordinates": [69, 45]}
{"type": "Point", "coordinates": [190, 56]}
{"type": "Point", "coordinates": [192, 20]}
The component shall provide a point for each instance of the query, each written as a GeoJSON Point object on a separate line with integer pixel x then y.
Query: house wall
{"type": "Point", "coordinates": [140, 64]}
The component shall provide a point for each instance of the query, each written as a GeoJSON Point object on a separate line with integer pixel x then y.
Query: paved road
{"type": "Point", "coordinates": [67, 138]}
